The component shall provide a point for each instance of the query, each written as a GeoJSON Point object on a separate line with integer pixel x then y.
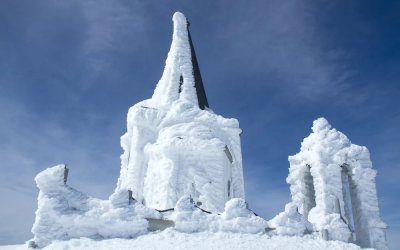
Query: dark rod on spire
{"type": "Point", "coordinates": [198, 82]}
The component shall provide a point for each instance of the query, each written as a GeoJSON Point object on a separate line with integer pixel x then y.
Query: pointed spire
{"type": "Point", "coordinates": [181, 78]}
{"type": "Point", "coordinates": [198, 81]}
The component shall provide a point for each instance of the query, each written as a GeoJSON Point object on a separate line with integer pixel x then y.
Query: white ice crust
{"type": "Point", "coordinates": [64, 213]}
{"type": "Point", "coordinates": [178, 63]}
{"type": "Point", "coordinates": [173, 148]}
{"type": "Point", "coordinates": [333, 185]}
{"type": "Point", "coordinates": [290, 222]}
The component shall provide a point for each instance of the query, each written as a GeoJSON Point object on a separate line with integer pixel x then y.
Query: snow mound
{"type": "Point", "coordinates": [290, 222]}
{"type": "Point", "coordinates": [239, 219]}
{"type": "Point", "coordinates": [236, 218]}
{"type": "Point", "coordinates": [174, 240]}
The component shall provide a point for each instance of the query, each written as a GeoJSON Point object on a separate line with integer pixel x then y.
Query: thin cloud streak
{"type": "Point", "coordinates": [283, 40]}
{"type": "Point", "coordinates": [29, 145]}
{"type": "Point", "coordinates": [108, 23]}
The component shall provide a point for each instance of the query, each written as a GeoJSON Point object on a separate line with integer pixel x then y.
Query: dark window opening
{"type": "Point", "coordinates": [346, 191]}
{"type": "Point", "coordinates": [309, 203]}
{"type": "Point", "coordinates": [180, 83]}
{"type": "Point", "coordinates": [352, 205]}
{"type": "Point", "coordinates": [228, 154]}
{"type": "Point", "coordinates": [229, 189]}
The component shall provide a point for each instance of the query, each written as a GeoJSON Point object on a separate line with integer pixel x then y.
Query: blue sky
{"type": "Point", "coordinates": [69, 71]}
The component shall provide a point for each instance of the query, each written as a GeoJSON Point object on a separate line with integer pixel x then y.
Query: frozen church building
{"type": "Point", "coordinates": [181, 167]}
{"type": "Point", "coordinates": [175, 145]}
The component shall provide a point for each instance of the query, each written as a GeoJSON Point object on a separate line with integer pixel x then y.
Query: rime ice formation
{"type": "Point", "coordinates": [236, 218]}
{"type": "Point", "coordinates": [333, 185]}
{"type": "Point", "coordinates": [64, 213]}
{"type": "Point", "coordinates": [175, 145]}
{"type": "Point", "coordinates": [182, 168]}
{"type": "Point", "coordinates": [290, 222]}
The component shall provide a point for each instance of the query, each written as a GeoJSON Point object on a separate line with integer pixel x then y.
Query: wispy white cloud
{"type": "Point", "coordinates": [30, 144]}
{"type": "Point", "coordinates": [284, 41]}
{"type": "Point", "coordinates": [268, 202]}
{"type": "Point", "coordinates": [266, 195]}
{"type": "Point", "coordinates": [107, 24]}
{"type": "Point", "coordinates": [31, 141]}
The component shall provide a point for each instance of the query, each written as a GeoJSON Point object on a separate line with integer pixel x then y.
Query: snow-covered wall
{"type": "Point", "coordinates": [173, 148]}
{"type": "Point", "coordinates": [64, 213]}
{"type": "Point", "coordinates": [333, 185]}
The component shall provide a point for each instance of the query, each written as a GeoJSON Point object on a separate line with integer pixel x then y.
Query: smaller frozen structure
{"type": "Point", "coordinates": [333, 185]}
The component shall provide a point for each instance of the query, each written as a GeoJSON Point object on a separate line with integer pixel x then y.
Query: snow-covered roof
{"type": "Point", "coordinates": [181, 78]}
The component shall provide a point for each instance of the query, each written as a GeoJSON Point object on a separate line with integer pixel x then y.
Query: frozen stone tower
{"type": "Point", "coordinates": [175, 145]}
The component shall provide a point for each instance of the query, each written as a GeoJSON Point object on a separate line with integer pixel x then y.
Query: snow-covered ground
{"type": "Point", "coordinates": [171, 239]}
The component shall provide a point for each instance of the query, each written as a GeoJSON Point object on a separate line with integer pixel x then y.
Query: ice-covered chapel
{"type": "Point", "coordinates": [175, 145]}
{"type": "Point", "coordinates": [181, 167]}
